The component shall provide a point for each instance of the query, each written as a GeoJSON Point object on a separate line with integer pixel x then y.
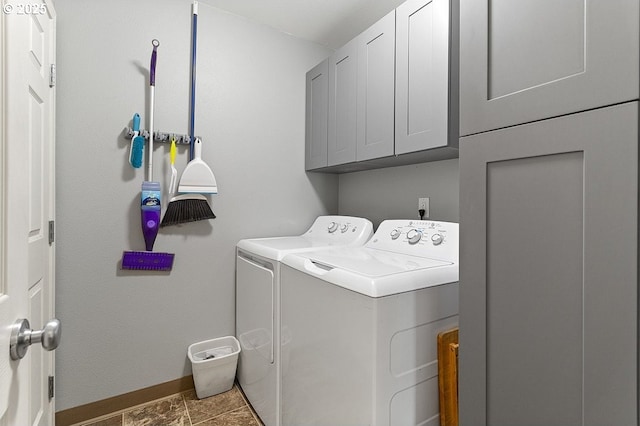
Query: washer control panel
{"type": "Point", "coordinates": [426, 238]}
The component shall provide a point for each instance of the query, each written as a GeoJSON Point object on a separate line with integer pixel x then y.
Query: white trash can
{"type": "Point", "coordinates": [214, 365]}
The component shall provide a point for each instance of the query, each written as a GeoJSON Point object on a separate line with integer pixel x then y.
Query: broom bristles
{"type": "Point", "coordinates": [187, 210]}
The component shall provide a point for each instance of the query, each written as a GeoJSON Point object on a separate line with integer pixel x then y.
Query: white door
{"type": "Point", "coordinates": [26, 205]}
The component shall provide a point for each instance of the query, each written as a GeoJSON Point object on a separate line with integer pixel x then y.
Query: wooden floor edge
{"type": "Point", "coordinates": [122, 402]}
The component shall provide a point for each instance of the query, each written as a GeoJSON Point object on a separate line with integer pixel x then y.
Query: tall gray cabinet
{"type": "Point", "coordinates": [549, 212]}
{"type": "Point", "coordinates": [528, 60]}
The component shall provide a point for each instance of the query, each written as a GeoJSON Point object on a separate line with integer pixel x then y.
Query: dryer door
{"type": "Point", "coordinates": [255, 327]}
{"type": "Point", "coordinates": [255, 315]}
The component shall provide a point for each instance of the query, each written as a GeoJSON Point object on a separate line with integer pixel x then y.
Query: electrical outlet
{"type": "Point", "coordinates": [423, 204]}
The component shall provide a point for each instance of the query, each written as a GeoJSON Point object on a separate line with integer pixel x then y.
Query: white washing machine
{"type": "Point", "coordinates": [362, 327]}
{"type": "Point", "coordinates": [258, 298]}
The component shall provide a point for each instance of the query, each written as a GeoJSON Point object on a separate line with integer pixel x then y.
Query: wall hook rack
{"type": "Point", "coordinates": [161, 137]}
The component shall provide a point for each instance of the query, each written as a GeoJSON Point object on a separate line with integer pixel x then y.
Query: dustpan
{"type": "Point", "coordinates": [197, 177]}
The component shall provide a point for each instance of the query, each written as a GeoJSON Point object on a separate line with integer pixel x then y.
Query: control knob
{"type": "Point", "coordinates": [344, 228]}
{"type": "Point", "coordinates": [437, 239]}
{"type": "Point", "coordinates": [414, 236]}
{"type": "Point", "coordinates": [332, 227]}
{"type": "Point", "coordinates": [395, 234]}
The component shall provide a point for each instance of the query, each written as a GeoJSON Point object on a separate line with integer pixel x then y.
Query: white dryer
{"type": "Point", "coordinates": [257, 304]}
{"type": "Point", "coordinates": [363, 325]}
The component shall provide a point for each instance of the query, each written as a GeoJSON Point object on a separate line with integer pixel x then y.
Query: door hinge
{"type": "Point", "coordinates": [52, 75]}
{"type": "Point", "coordinates": [51, 387]}
{"type": "Point", "coordinates": [52, 231]}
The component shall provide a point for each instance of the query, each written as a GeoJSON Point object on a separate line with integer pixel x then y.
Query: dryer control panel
{"type": "Point", "coordinates": [424, 238]}
{"type": "Point", "coordinates": [340, 230]}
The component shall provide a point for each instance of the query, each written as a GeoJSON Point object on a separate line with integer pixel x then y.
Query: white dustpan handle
{"type": "Point", "coordinates": [197, 149]}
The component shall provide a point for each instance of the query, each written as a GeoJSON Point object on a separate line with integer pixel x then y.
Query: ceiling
{"type": "Point", "coordinates": [330, 23]}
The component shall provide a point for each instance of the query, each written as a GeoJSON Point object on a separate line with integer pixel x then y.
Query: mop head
{"type": "Point", "coordinates": [137, 152]}
{"type": "Point", "coordinates": [147, 260]}
{"type": "Point", "coordinates": [187, 208]}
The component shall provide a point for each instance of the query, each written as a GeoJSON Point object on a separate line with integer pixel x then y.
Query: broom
{"type": "Point", "coordinates": [197, 178]}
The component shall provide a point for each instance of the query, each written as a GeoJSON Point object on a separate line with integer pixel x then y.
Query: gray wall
{"type": "Point", "coordinates": [124, 331]}
{"type": "Point", "coordinates": [393, 193]}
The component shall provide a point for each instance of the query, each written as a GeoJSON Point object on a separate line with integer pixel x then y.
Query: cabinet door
{"type": "Point", "coordinates": [548, 278]}
{"type": "Point", "coordinates": [422, 75]}
{"type": "Point", "coordinates": [527, 60]}
{"type": "Point", "coordinates": [316, 116]}
{"type": "Point", "coordinates": [376, 70]}
{"type": "Point", "coordinates": [343, 71]}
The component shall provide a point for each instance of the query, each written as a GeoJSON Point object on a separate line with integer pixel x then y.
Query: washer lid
{"type": "Point", "coordinates": [371, 262]}
{"type": "Point", "coordinates": [372, 272]}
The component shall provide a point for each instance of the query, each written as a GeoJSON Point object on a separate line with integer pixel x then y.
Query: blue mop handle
{"type": "Point", "coordinates": [192, 112]}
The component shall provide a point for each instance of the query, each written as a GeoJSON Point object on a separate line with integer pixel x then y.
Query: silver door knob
{"type": "Point", "coordinates": [22, 337]}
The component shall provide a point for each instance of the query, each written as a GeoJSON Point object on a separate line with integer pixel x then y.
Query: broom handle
{"type": "Point", "coordinates": [192, 111]}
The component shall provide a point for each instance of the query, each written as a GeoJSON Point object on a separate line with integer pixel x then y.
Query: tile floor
{"type": "Point", "coordinates": [185, 409]}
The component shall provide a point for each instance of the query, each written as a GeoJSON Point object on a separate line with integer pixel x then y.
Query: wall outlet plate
{"type": "Point", "coordinates": [423, 204]}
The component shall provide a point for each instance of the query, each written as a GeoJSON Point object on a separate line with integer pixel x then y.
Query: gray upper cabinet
{"type": "Point", "coordinates": [343, 89]}
{"type": "Point", "coordinates": [426, 117]}
{"type": "Point", "coordinates": [376, 47]}
{"type": "Point", "coordinates": [527, 60]}
{"type": "Point", "coordinates": [393, 91]}
{"type": "Point", "coordinates": [549, 272]}
{"type": "Point", "coordinates": [317, 81]}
